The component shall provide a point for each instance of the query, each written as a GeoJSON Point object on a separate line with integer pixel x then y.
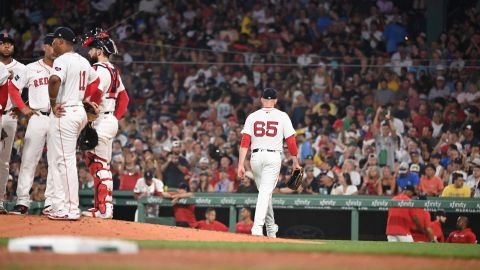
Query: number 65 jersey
{"type": "Point", "coordinates": [267, 128]}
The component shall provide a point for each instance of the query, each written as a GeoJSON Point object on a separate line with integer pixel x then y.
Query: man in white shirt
{"type": "Point", "coordinates": [147, 186]}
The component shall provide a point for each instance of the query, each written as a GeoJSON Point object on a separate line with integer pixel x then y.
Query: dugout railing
{"type": "Point", "coordinates": [234, 202]}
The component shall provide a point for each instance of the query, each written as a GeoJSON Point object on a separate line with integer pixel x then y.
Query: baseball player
{"type": "Point", "coordinates": [35, 78]}
{"type": "Point", "coordinates": [113, 106]}
{"type": "Point", "coordinates": [265, 130]}
{"type": "Point", "coordinates": [72, 80]}
{"type": "Point", "coordinates": [9, 119]}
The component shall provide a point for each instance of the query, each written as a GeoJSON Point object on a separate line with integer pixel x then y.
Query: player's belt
{"type": "Point", "coordinates": [260, 150]}
{"type": "Point", "coordinates": [106, 112]}
{"type": "Point", "coordinates": [7, 111]}
{"type": "Point", "coordinates": [44, 113]}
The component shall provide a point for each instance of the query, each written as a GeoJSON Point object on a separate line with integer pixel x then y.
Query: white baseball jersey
{"type": "Point", "coordinates": [35, 77]}
{"type": "Point", "coordinates": [17, 68]}
{"type": "Point", "coordinates": [106, 71]}
{"type": "Point", "coordinates": [267, 128]}
{"type": "Point", "coordinates": [141, 186]}
{"type": "Point", "coordinates": [76, 73]}
{"type": "Point", "coordinates": [3, 74]}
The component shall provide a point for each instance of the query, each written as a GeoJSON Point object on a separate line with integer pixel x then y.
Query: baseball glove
{"type": "Point", "coordinates": [92, 110]}
{"type": "Point", "coordinates": [88, 138]}
{"type": "Point", "coordinates": [296, 179]}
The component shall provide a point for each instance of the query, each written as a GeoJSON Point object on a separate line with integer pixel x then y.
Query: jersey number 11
{"type": "Point", "coordinates": [82, 86]}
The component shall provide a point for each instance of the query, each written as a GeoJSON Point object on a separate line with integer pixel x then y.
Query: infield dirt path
{"type": "Point", "coordinates": [17, 226]}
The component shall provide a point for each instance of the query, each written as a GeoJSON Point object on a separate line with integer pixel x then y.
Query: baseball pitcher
{"type": "Point", "coordinates": [113, 106]}
{"type": "Point", "coordinates": [72, 80]}
{"type": "Point", "coordinates": [9, 119]}
{"type": "Point", "coordinates": [265, 130]}
{"type": "Point", "coordinates": [35, 78]}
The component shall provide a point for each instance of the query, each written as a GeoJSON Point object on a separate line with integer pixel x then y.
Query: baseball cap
{"type": "Point", "coordinates": [330, 174]}
{"type": "Point", "coordinates": [475, 162]}
{"type": "Point", "coordinates": [269, 93]}
{"type": "Point", "coordinates": [411, 188]}
{"type": "Point", "coordinates": [414, 168]}
{"type": "Point", "coordinates": [204, 160]}
{"type": "Point", "coordinates": [458, 161]}
{"type": "Point", "coordinates": [65, 33]}
{"type": "Point", "coordinates": [148, 175]}
{"type": "Point", "coordinates": [338, 123]}
{"type": "Point", "coordinates": [440, 78]}
{"type": "Point", "coordinates": [48, 39]}
{"type": "Point", "coordinates": [184, 186]}
{"type": "Point", "coordinates": [437, 156]}
{"type": "Point", "coordinates": [468, 127]}
{"type": "Point", "coordinates": [5, 38]}
{"type": "Point", "coordinates": [403, 167]}
{"type": "Point", "coordinates": [441, 213]}
{"type": "Point", "coordinates": [309, 157]}
{"type": "Point", "coordinates": [176, 144]}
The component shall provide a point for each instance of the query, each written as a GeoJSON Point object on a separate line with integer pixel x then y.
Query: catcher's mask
{"type": "Point", "coordinates": [100, 39]}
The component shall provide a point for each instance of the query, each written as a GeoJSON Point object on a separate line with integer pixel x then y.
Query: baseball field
{"type": "Point", "coordinates": [179, 248]}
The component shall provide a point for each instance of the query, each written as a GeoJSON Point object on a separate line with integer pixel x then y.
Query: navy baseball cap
{"type": "Point", "coordinates": [5, 38]}
{"type": "Point", "coordinates": [65, 33]}
{"type": "Point", "coordinates": [148, 175]}
{"type": "Point", "coordinates": [48, 39]}
{"type": "Point", "coordinates": [184, 186]}
{"type": "Point", "coordinates": [269, 93]}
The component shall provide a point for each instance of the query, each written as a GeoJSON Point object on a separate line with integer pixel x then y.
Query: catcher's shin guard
{"type": "Point", "coordinates": [103, 186]}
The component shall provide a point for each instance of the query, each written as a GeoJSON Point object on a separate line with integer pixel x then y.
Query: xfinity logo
{"type": "Point", "coordinates": [455, 204]}
{"type": "Point", "coordinates": [301, 202]}
{"type": "Point", "coordinates": [354, 203]}
{"type": "Point", "coordinates": [433, 204]}
{"type": "Point", "coordinates": [228, 201]}
{"type": "Point", "coordinates": [277, 201]}
{"type": "Point", "coordinates": [406, 204]}
{"type": "Point", "coordinates": [327, 202]}
{"type": "Point", "coordinates": [203, 201]}
{"type": "Point", "coordinates": [380, 203]}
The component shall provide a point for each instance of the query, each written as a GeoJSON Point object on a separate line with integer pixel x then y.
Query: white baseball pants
{"type": "Point", "coordinates": [35, 139]}
{"type": "Point", "coordinates": [63, 135]}
{"type": "Point", "coordinates": [9, 125]}
{"type": "Point", "coordinates": [106, 126]}
{"type": "Point", "coordinates": [265, 168]}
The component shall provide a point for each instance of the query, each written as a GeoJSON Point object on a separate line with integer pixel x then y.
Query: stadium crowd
{"type": "Point", "coordinates": [376, 106]}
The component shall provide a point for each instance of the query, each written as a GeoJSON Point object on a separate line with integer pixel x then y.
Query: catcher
{"type": "Point", "coordinates": [103, 120]}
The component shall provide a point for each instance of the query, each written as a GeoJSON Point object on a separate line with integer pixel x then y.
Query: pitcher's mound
{"type": "Point", "coordinates": [18, 226]}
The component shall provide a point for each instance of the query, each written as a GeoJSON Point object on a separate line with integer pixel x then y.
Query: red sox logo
{"type": "Point", "coordinates": [41, 81]}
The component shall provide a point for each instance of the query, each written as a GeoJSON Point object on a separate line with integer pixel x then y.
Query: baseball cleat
{"type": "Point", "coordinates": [257, 232]}
{"type": "Point", "coordinates": [19, 210]}
{"type": "Point", "coordinates": [63, 216]}
{"type": "Point", "coordinates": [46, 210]}
{"type": "Point", "coordinates": [272, 231]}
{"type": "Point", "coordinates": [3, 211]}
{"type": "Point", "coordinates": [92, 212]}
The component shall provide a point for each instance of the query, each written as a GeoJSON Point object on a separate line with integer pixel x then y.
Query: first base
{"type": "Point", "coordinates": [70, 245]}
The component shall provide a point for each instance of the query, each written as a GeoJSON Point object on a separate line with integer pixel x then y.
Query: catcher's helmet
{"type": "Point", "coordinates": [98, 38]}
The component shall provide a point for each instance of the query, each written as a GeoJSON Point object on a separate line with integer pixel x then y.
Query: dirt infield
{"type": "Point", "coordinates": [16, 226]}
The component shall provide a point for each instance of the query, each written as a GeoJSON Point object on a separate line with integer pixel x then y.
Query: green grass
{"type": "Point", "coordinates": [333, 246]}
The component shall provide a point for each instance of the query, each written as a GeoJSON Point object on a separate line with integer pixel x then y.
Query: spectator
{"type": "Point", "coordinates": [389, 182]}
{"type": "Point", "coordinates": [210, 223]}
{"type": "Point", "coordinates": [246, 223]}
{"type": "Point", "coordinates": [457, 189]}
{"type": "Point", "coordinates": [463, 234]}
{"type": "Point", "coordinates": [224, 184]}
{"type": "Point", "coordinates": [406, 178]}
{"type": "Point", "coordinates": [85, 178]}
{"type": "Point", "coordinates": [372, 183]}
{"type": "Point", "coordinates": [473, 180]}
{"type": "Point", "coordinates": [184, 213]}
{"type": "Point", "coordinates": [440, 218]}
{"type": "Point", "coordinates": [326, 183]}
{"type": "Point", "coordinates": [311, 182]}
{"type": "Point", "coordinates": [385, 138]}
{"type": "Point", "coordinates": [430, 184]}
{"type": "Point", "coordinates": [174, 170]}
{"type": "Point", "coordinates": [248, 184]}
{"type": "Point", "coordinates": [345, 186]}
{"type": "Point", "coordinates": [439, 90]}
{"type": "Point", "coordinates": [147, 186]}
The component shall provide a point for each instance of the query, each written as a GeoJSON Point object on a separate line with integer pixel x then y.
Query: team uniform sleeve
{"type": "Point", "coordinates": [59, 68]}
{"type": "Point", "coordinates": [288, 129]}
{"type": "Point", "coordinates": [138, 186]}
{"type": "Point", "coordinates": [18, 83]}
{"type": "Point", "coordinates": [248, 127]}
